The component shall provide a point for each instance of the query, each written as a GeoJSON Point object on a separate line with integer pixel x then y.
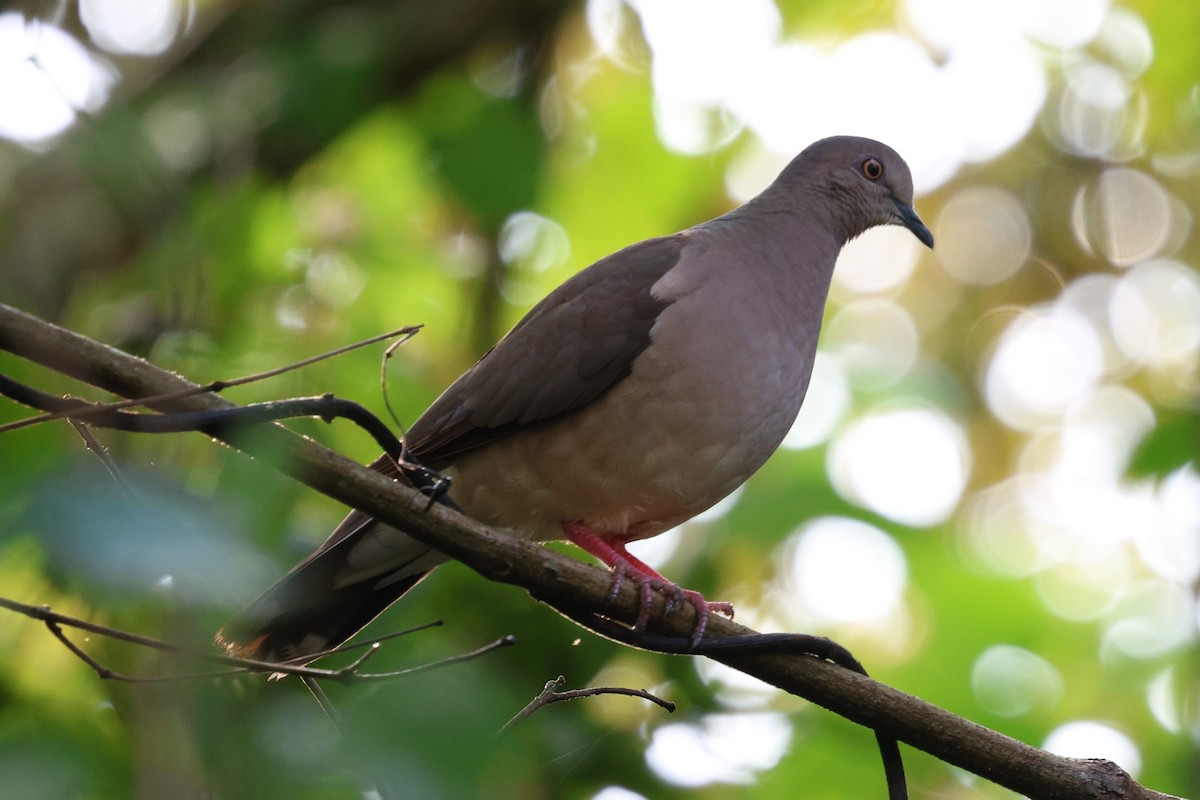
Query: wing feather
{"type": "Point", "coordinates": [580, 341]}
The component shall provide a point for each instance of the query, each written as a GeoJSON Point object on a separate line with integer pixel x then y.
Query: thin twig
{"type": "Point", "coordinates": [214, 422]}
{"type": "Point", "coordinates": [550, 695]}
{"type": "Point", "coordinates": [345, 648]}
{"type": "Point", "coordinates": [53, 620]}
{"type": "Point", "coordinates": [101, 452]}
{"type": "Point", "coordinates": [407, 332]}
{"type": "Point", "coordinates": [504, 641]}
{"type": "Point", "coordinates": [84, 411]}
{"type": "Point", "coordinates": [223, 423]}
{"type": "Point", "coordinates": [383, 389]}
{"type": "Point", "coordinates": [318, 693]}
{"type": "Point", "coordinates": [109, 674]}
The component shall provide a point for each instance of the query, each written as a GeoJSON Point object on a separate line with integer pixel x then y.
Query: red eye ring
{"type": "Point", "coordinates": [872, 169]}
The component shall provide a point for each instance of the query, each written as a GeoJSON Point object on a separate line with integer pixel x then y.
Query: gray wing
{"type": "Point", "coordinates": [571, 348]}
{"type": "Point", "coordinates": [580, 341]}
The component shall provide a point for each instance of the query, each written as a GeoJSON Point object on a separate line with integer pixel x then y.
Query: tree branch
{"type": "Point", "coordinates": [570, 583]}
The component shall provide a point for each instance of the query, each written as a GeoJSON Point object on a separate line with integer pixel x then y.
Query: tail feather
{"type": "Point", "coordinates": [361, 569]}
{"type": "Point", "coordinates": [302, 615]}
{"type": "Point", "coordinates": [329, 597]}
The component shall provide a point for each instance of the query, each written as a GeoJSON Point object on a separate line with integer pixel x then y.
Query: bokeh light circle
{"type": "Point", "coordinates": [1155, 313]}
{"type": "Point", "coordinates": [909, 465]}
{"type": "Point", "coordinates": [1125, 215]}
{"type": "Point", "coordinates": [825, 403]}
{"type": "Point", "coordinates": [875, 340]}
{"type": "Point", "coordinates": [844, 570]}
{"type": "Point", "coordinates": [1088, 739]}
{"type": "Point", "coordinates": [1047, 360]}
{"type": "Point", "coordinates": [723, 748]}
{"type": "Point", "coordinates": [983, 235]}
{"type": "Point", "coordinates": [1011, 681]}
{"type": "Point", "coordinates": [880, 259]}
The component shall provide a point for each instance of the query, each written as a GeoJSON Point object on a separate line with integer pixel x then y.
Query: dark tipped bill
{"type": "Point", "coordinates": [909, 219]}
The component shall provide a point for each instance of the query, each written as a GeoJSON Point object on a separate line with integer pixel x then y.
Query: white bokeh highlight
{"type": "Point", "coordinates": [910, 465]}
{"type": "Point", "coordinates": [983, 236]}
{"type": "Point", "coordinates": [825, 404]}
{"type": "Point", "coordinates": [1154, 618]}
{"type": "Point", "coordinates": [1089, 739]}
{"type": "Point", "coordinates": [1127, 216]}
{"type": "Point", "coordinates": [46, 78]}
{"type": "Point", "coordinates": [879, 260]}
{"type": "Point", "coordinates": [736, 690]}
{"type": "Point", "coordinates": [1155, 312]}
{"type": "Point", "coordinates": [875, 340]}
{"type": "Point", "coordinates": [1048, 359]}
{"type": "Point", "coordinates": [534, 241]}
{"type": "Point", "coordinates": [840, 570]}
{"type": "Point", "coordinates": [142, 28]}
{"type": "Point", "coordinates": [973, 77]}
{"type": "Point", "coordinates": [1091, 296]}
{"type": "Point", "coordinates": [722, 748]}
{"type": "Point", "coordinates": [1097, 112]}
{"type": "Point", "coordinates": [617, 793]}
{"type": "Point", "coordinates": [1163, 700]}
{"type": "Point", "coordinates": [1168, 540]}
{"type": "Point", "coordinates": [1011, 681]}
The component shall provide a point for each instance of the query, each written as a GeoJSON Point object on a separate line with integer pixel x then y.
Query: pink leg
{"type": "Point", "coordinates": [611, 550]}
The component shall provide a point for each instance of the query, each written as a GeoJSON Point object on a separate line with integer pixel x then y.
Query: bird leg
{"type": "Point", "coordinates": [611, 550]}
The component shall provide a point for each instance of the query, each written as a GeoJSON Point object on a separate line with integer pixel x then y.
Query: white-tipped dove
{"type": "Point", "coordinates": [636, 395]}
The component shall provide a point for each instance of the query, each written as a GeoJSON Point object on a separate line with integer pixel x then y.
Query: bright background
{"type": "Point", "coordinates": [991, 495]}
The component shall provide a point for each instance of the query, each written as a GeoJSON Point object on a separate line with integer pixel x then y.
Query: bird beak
{"type": "Point", "coordinates": [907, 217]}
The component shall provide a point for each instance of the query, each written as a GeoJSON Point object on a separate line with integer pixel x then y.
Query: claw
{"type": "Point", "coordinates": [674, 598]}
{"type": "Point", "coordinates": [644, 605]}
{"type": "Point", "coordinates": [611, 550]}
{"type": "Point", "coordinates": [618, 578]}
{"type": "Point", "coordinates": [705, 609]}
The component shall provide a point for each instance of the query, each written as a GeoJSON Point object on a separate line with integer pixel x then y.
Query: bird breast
{"type": "Point", "coordinates": [705, 404]}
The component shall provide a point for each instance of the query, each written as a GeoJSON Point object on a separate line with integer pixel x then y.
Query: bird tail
{"type": "Point", "coordinates": [361, 569]}
{"type": "Point", "coordinates": [325, 599]}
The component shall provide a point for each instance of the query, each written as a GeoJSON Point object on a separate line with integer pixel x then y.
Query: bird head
{"type": "Point", "coordinates": [862, 183]}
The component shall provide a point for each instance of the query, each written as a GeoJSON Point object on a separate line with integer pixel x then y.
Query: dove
{"type": "Point", "coordinates": [637, 394]}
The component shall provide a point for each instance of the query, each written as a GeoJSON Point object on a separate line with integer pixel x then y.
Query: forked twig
{"type": "Point", "coordinates": [550, 695]}
{"type": "Point", "coordinates": [54, 621]}
{"type": "Point", "coordinates": [80, 412]}
{"type": "Point", "coordinates": [221, 422]}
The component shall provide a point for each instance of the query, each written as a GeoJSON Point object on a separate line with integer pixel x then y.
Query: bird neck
{"type": "Point", "coordinates": [794, 222]}
{"type": "Point", "coordinates": [787, 255]}
{"type": "Point", "coordinates": [814, 211]}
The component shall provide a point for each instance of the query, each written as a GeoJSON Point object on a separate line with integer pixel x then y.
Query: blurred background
{"type": "Point", "coordinates": [991, 495]}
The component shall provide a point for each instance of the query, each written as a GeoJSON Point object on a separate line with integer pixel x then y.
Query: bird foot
{"type": "Point", "coordinates": [611, 551]}
{"type": "Point", "coordinates": [675, 598]}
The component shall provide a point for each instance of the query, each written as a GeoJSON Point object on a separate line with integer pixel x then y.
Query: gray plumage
{"type": "Point", "coordinates": [636, 395]}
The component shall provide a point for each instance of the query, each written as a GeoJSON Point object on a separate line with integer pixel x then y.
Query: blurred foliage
{"type": "Point", "coordinates": [333, 198]}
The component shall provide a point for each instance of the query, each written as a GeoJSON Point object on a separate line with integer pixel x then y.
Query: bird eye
{"type": "Point", "coordinates": [872, 169]}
